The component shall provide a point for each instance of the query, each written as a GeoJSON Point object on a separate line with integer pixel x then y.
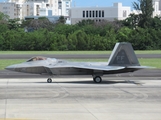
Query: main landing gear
{"type": "Point", "coordinates": [97, 79]}
{"type": "Point", "coordinates": [49, 80]}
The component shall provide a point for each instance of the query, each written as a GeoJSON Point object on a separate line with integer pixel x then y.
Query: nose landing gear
{"type": "Point", "coordinates": [49, 80]}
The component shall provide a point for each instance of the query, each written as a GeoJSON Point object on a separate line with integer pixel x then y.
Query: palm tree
{"type": "Point", "coordinates": [145, 9]}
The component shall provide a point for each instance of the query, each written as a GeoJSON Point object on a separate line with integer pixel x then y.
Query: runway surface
{"type": "Point", "coordinates": [116, 98]}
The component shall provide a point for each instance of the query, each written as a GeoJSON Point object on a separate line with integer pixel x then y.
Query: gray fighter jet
{"type": "Point", "coordinates": [122, 60]}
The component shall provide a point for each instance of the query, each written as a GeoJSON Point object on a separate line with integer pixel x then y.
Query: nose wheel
{"type": "Point", "coordinates": [49, 80]}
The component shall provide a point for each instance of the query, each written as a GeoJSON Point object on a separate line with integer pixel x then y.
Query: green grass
{"type": "Point", "coordinates": [153, 62]}
{"type": "Point", "coordinates": [55, 52]}
{"type": "Point", "coordinates": [145, 62]}
{"type": "Point", "coordinates": [148, 51]}
{"type": "Point", "coordinates": [75, 52]}
{"type": "Point", "coordinates": [6, 62]}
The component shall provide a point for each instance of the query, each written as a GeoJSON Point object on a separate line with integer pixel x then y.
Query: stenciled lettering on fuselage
{"type": "Point", "coordinates": [121, 58]}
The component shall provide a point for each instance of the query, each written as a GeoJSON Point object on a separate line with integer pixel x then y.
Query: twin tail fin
{"type": "Point", "coordinates": [123, 55]}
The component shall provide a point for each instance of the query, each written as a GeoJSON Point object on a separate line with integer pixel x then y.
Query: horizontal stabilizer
{"type": "Point", "coordinates": [139, 67]}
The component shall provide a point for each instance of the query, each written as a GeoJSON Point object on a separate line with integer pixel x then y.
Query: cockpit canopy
{"type": "Point", "coordinates": [37, 58]}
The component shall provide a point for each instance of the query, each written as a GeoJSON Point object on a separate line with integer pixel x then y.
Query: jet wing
{"type": "Point", "coordinates": [102, 68]}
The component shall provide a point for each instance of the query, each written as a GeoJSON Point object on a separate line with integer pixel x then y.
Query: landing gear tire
{"type": "Point", "coordinates": [49, 80]}
{"type": "Point", "coordinates": [97, 79]}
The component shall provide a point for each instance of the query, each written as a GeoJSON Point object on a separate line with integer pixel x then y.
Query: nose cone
{"type": "Point", "coordinates": [11, 67]}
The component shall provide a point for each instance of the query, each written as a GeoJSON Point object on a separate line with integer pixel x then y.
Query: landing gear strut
{"type": "Point", "coordinates": [49, 80]}
{"type": "Point", "coordinates": [97, 79]}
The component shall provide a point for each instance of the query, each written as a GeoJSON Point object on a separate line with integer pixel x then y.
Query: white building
{"type": "Point", "coordinates": [117, 11]}
{"type": "Point", "coordinates": [64, 6]}
{"type": "Point", "coordinates": [23, 8]}
{"type": "Point", "coordinates": [12, 9]}
{"type": "Point", "coordinates": [157, 7]}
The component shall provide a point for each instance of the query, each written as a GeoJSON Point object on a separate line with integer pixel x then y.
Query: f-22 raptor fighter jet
{"type": "Point", "coordinates": [122, 60]}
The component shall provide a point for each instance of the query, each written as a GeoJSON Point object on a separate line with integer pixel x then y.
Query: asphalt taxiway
{"type": "Point", "coordinates": [116, 98]}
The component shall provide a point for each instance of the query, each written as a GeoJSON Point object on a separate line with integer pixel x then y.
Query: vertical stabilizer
{"type": "Point", "coordinates": [123, 55]}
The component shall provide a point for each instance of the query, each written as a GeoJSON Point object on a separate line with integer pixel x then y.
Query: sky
{"type": "Point", "coordinates": [101, 3]}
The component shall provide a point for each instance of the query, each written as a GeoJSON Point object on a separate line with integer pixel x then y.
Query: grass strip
{"type": "Point", "coordinates": [6, 62]}
{"type": "Point", "coordinates": [75, 52]}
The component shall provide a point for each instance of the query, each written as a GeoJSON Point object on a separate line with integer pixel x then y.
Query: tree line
{"type": "Point", "coordinates": [143, 31]}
